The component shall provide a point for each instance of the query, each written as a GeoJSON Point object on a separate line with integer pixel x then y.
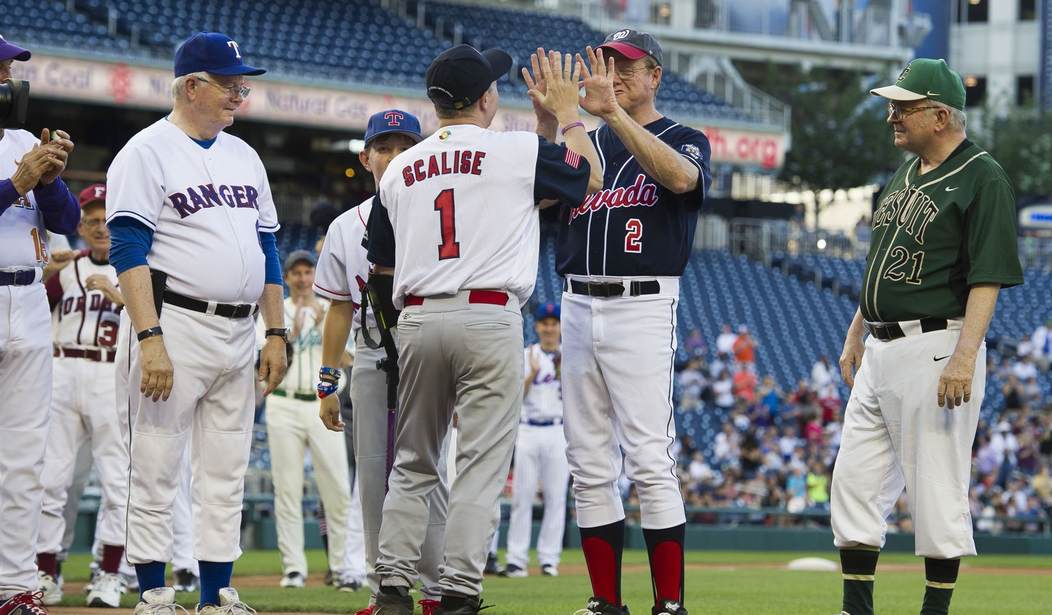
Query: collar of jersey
{"type": "Point", "coordinates": [944, 167]}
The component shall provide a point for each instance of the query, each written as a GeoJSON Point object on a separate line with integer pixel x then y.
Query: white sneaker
{"type": "Point", "coordinates": [292, 580]}
{"type": "Point", "coordinates": [512, 571]}
{"type": "Point", "coordinates": [49, 587]}
{"type": "Point", "coordinates": [550, 570]}
{"type": "Point", "coordinates": [229, 604]}
{"type": "Point", "coordinates": [158, 601]}
{"type": "Point", "coordinates": [106, 591]}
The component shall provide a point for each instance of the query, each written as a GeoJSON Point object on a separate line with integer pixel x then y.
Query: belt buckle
{"type": "Point", "coordinates": [606, 289]}
{"type": "Point", "coordinates": [210, 309]}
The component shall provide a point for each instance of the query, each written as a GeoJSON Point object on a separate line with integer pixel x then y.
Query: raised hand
{"type": "Point", "coordinates": [59, 146]}
{"type": "Point", "coordinates": [599, 98]}
{"type": "Point", "coordinates": [536, 82]}
{"type": "Point", "coordinates": [34, 165]}
{"type": "Point", "coordinates": [561, 96]}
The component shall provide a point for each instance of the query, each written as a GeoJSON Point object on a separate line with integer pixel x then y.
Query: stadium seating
{"type": "Point", "coordinates": [326, 39]}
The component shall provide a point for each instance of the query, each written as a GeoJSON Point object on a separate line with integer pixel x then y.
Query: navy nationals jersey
{"type": "Point", "coordinates": [634, 226]}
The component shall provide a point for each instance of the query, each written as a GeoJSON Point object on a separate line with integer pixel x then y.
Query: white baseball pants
{"type": "Point", "coordinates": [83, 408]}
{"type": "Point", "coordinates": [214, 398]}
{"type": "Point", "coordinates": [25, 371]}
{"type": "Point", "coordinates": [895, 436]}
{"type": "Point", "coordinates": [618, 356]}
{"type": "Point", "coordinates": [540, 454]}
{"type": "Point", "coordinates": [293, 427]}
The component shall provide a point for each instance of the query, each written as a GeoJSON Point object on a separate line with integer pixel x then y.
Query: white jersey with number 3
{"type": "Point", "coordinates": [206, 207]}
{"type": "Point", "coordinates": [23, 239]}
{"type": "Point", "coordinates": [461, 204]}
{"type": "Point", "coordinates": [83, 318]}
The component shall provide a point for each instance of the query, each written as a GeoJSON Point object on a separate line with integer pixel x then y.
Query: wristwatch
{"type": "Point", "coordinates": [282, 333]}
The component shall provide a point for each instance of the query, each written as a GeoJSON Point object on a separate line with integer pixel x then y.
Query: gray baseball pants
{"type": "Point", "coordinates": [455, 356]}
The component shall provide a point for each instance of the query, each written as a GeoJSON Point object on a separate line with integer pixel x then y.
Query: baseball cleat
{"type": "Point", "coordinates": [106, 591]}
{"type": "Point", "coordinates": [347, 583]}
{"type": "Point", "coordinates": [550, 570]}
{"type": "Point", "coordinates": [229, 604]}
{"type": "Point", "coordinates": [598, 606]}
{"type": "Point", "coordinates": [429, 607]}
{"type": "Point", "coordinates": [185, 580]}
{"type": "Point", "coordinates": [26, 603]}
{"type": "Point", "coordinates": [514, 572]}
{"type": "Point", "coordinates": [51, 592]}
{"type": "Point", "coordinates": [292, 580]}
{"type": "Point", "coordinates": [492, 565]}
{"type": "Point", "coordinates": [669, 607]}
{"type": "Point", "coordinates": [393, 601]}
{"type": "Point", "coordinates": [467, 605]}
{"type": "Point", "coordinates": [159, 601]}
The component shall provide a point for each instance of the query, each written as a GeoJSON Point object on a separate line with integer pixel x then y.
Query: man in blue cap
{"type": "Point", "coordinates": [342, 270]}
{"type": "Point", "coordinates": [192, 223]}
{"type": "Point", "coordinates": [33, 200]}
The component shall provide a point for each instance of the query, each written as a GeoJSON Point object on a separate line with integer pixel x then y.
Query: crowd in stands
{"type": "Point", "coordinates": [774, 450]}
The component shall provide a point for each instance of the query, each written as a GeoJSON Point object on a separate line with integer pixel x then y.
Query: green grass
{"type": "Point", "coordinates": [736, 587]}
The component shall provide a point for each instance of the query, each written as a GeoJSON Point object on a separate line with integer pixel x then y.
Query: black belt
{"type": "Point", "coordinates": [297, 395]}
{"type": "Point", "coordinates": [24, 277]}
{"type": "Point", "coordinates": [887, 331]}
{"type": "Point", "coordinates": [613, 289]}
{"type": "Point", "coordinates": [543, 423]}
{"type": "Point", "coordinates": [226, 310]}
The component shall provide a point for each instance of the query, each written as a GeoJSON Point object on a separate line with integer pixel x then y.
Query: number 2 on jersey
{"type": "Point", "coordinates": [446, 208]}
{"type": "Point", "coordinates": [633, 236]}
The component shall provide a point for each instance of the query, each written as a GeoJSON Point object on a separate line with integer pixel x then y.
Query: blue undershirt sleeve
{"type": "Point", "coordinates": [130, 242]}
{"type": "Point", "coordinates": [269, 243]}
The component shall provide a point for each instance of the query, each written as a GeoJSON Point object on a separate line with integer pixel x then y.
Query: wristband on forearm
{"type": "Point", "coordinates": [329, 381]}
{"type": "Point", "coordinates": [151, 332]}
{"type": "Point", "coordinates": [570, 127]}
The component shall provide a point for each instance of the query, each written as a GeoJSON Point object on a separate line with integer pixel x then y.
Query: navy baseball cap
{"type": "Point", "coordinates": [299, 256]}
{"type": "Point", "coordinates": [633, 44]}
{"type": "Point", "coordinates": [12, 52]}
{"type": "Point", "coordinates": [461, 75]}
{"type": "Point", "coordinates": [547, 310]}
{"type": "Point", "coordinates": [393, 120]}
{"type": "Point", "coordinates": [211, 52]}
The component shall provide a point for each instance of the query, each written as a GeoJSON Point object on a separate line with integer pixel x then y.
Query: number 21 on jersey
{"type": "Point", "coordinates": [446, 208]}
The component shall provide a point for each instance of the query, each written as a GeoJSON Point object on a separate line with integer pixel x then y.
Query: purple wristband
{"type": "Point", "coordinates": [571, 125]}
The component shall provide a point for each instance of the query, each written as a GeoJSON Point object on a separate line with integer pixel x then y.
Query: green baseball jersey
{"type": "Point", "coordinates": [937, 234]}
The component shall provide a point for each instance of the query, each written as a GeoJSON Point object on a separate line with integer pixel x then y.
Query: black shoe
{"type": "Point", "coordinates": [513, 571]}
{"type": "Point", "coordinates": [669, 607]}
{"type": "Point", "coordinates": [393, 600]}
{"type": "Point", "coordinates": [492, 566]}
{"type": "Point", "coordinates": [330, 579]}
{"type": "Point", "coordinates": [598, 606]}
{"type": "Point", "coordinates": [185, 580]}
{"type": "Point", "coordinates": [460, 605]}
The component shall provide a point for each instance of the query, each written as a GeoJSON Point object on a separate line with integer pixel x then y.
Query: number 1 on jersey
{"type": "Point", "coordinates": [444, 205]}
{"type": "Point", "coordinates": [633, 236]}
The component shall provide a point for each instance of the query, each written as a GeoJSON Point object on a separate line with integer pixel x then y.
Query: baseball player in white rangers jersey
{"type": "Point", "coordinates": [473, 192]}
{"type": "Point", "coordinates": [540, 453]}
{"type": "Point", "coordinates": [33, 200]}
{"type": "Point", "coordinates": [85, 316]}
{"type": "Point", "coordinates": [192, 224]}
{"type": "Point", "coordinates": [342, 272]}
{"type": "Point", "coordinates": [621, 253]}
{"type": "Point", "coordinates": [293, 428]}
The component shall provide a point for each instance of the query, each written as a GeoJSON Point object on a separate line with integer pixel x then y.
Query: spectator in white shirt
{"type": "Point", "coordinates": [725, 341]}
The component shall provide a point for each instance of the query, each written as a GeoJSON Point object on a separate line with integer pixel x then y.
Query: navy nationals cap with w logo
{"type": "Point", "coordinates": [212, 52]}
{"type": "Point", "coordinates": [633, 44]}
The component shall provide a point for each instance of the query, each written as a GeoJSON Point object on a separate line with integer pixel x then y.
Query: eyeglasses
{"type": "Point", "coordinates": [630, 72]}
{"type": "Point", "coordinates": [896, 113]}
{"type": "Point", "coordinates": [239, 91]}
{"type": "Point", "coordinates": [93, 223]}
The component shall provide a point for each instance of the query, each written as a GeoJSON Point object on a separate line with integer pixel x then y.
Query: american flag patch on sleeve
{"type": "Point", "coordinates": [572, 158]}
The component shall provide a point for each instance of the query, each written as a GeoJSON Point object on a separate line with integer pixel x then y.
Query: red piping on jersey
{"type": "Point", "coordinates": [332, 291]}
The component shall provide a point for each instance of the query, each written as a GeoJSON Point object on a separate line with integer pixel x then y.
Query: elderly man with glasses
{"type": "Point", "coordinates": [192, 223]}
{"type": "Point", "coordinates": [942, 247]}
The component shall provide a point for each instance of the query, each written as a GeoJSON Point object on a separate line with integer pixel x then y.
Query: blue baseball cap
{"type": "Point", "coordinates": [12, 52]}
{"type": "Point", "coordinates": [393, 120]}
{"type": "Point", "coordinates": [211, 52]}
{"type": "Point", "coordinates": [547, 310]}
